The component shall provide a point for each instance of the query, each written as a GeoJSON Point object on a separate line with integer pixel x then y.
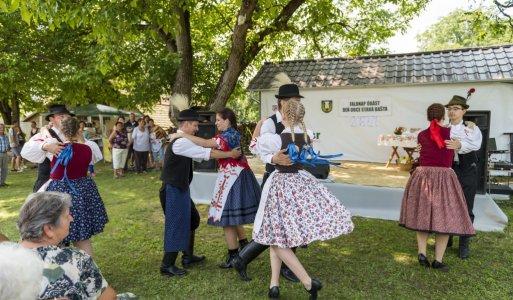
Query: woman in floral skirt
{"type": "Point", "coordinates": [295, 208]}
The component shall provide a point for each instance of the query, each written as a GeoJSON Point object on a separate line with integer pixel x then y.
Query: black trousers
{"type": "Point", "coordinates": [141, 160]}
{"type": "Point", "coordinates": [468, 179]}
{"type": "Point", "coordinates": [268, 170]}
{"type": "Point", "coordinates": [43, 174]}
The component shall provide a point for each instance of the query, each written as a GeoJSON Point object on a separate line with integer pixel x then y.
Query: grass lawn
{"type": "Point", "coordinates": [377, 261]}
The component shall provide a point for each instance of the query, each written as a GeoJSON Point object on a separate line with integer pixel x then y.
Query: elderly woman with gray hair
{"type": "Point", "coordinates": [69, 272]}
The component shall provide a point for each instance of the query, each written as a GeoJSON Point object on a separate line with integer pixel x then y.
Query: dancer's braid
{"type": "Point", "coordinates": [295, 112]}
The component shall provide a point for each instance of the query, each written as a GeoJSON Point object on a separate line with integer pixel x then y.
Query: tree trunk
{"type": "Point", "coordinates": [15, 106]}
{"type": "Point", "coordinates": [240, 55]}
{"type": "Point", "coordinates": [183, 79]}
{"type": "Point", "coordinates": [5, 110]}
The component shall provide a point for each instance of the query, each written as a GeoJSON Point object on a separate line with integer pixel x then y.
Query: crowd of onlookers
{"type": "Point", "coordinates": [135, 144]}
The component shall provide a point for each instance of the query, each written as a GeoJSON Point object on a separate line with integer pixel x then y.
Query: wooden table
{"type": "Point", "coordinates": [407, 142]}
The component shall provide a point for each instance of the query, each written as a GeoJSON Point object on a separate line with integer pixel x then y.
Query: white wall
{"type": "Point", "coordinates": [408, 109]}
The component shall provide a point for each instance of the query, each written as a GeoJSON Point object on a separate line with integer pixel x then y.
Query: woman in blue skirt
{"type": "Point", "coordinates": [69, 175]}
{"type": "Point", "coordinates": [237, 192]}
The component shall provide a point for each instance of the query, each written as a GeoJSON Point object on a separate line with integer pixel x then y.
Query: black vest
{"type": "Point", "coordinates": [44, 168]}
{"type": "Point", "coordinates": [177, 169]}
{"type": "Point", "coordinates": [279, 128]}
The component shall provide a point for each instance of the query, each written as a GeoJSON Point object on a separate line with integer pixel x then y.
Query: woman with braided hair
{"type": "Point", "coordinates": [295, 208]}
{"type": "Point", "coordinates": [433, 200]}
{"type": "Point", "coordinates": [69, 175]}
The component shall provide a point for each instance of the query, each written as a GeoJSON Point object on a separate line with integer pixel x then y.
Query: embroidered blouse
{"type": "Point", "coordinates": [227, 141]}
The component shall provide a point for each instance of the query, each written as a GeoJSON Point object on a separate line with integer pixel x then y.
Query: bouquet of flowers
{"type": "Point", "coordinates": [399, 130]}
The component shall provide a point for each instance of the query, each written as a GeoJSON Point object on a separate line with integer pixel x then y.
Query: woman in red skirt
{"type": "Point", "coordinates": [433, 200]}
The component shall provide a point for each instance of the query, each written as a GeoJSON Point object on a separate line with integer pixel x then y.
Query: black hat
{"type": "Point", "coordinates": [458, 100]}
{"type": "Point", "coordinates": [57, 109]}
{"type": "Point", "coordinates": [288, 91]}
{"type": "Point", "coordinates": [188, 115]}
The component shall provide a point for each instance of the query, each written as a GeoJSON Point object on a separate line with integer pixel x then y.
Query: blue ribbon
{"type": "Point", "coordinates": [309, 157]}
{"type": "Point", "coordinates": [63, 159]}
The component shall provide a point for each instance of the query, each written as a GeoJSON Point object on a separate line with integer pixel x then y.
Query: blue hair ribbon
{"type": "Point", "coordinates": [63, 159]}
{"type": "Point", "coordinates": [309, 157]}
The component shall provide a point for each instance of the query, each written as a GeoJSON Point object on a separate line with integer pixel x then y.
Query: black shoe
{"type": "Point", "coordinates": [245, 256]}
{"type": "Point", "coordinates": [228, 263]}
{"type": "Point", "coordinates": [423, 261]}
{"type": "Point", "coordinates": [440, 266]}
{"type": "Point", "coordinates": [172, 270]}
{"type": "Point", "coordinates": [288, 274]}
{"type": "Point", "coordinates": [464, 251]}
{"type": "Point", "coordinates": [274, 292]}
{"type": "Point", "coordinates": [316, 286]}
{"type": "Point", "coordinates": [188, 260]}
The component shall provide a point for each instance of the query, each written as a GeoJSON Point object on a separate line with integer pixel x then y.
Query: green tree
{"type": "Point", "coordinates": [462, 28]}
{"type": "Point", "coordinates": [220, 44]}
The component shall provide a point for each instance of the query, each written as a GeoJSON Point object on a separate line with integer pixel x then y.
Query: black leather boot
{"type": "Point", "coordinates": [287, 273]}
{"type": "Point", "coordinates": [242, 244]}
{"type": "Point", "coordinates": [188, 257]}
{"type": "Point", "coordinates": [245, 256]}
{"type": "Point", "coordinates": [228, 263]}
{"type": "Point", "coordinates": [168, 267]}
{"type": "Point", "coordinates": [449, 242]}
{"type": "Point", "coordinates": [464, 251]}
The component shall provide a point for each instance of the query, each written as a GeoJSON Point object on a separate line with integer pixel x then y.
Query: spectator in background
{"type": "Point", "coordinates": [157, 141]}
{"type": "Point", "coordinates": [33, 129]}
{"type": "Point", "coordinates": [4, 161]}
{"type": "Point", "coordinates": [16, 141]}
{"type": "Point", "coordinates": [118, 140]}
{"type": "Point", "coordinates": [140, 139]}
{"type": "Point", "coordinates": [129, 127]}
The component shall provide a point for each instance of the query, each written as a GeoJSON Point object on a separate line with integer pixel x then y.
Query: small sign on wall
{"type": "Point", "coordinates": [366, 106]}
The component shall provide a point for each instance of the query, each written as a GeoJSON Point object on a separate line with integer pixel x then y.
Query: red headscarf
{"type": "Point", "coordinates": [434, 129]}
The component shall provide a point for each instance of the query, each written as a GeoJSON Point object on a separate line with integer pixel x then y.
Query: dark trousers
{"type": "Point", "coordinates": [43, 174]}
{"type": "Point", "coordinates": [141, 160]}
{"type": "Point", "coordinates": [129, 157]}
{"type": "Point", "coordinates": [468, 179]}
{"type": "Point", "coordinates": [268, 170]}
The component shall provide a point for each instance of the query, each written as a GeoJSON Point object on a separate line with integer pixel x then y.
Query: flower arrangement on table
{"type": "Point", "coordinates": [399, 130]}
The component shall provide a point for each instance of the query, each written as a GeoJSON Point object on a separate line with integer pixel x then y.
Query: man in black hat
{"type": "Point", "coordinates": [181, 216]}
{"type": "Point", "coordinates": [48, 143]}
{"type": "Point", "coordinates": [272, 125]}
{"type": "Point", "coordinates": [466, 139]}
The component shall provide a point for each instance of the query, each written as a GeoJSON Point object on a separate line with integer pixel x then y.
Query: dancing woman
{"type": "Point", "coordinates": [295, 208]}
{"type": "Point", "coordinates": [236, 193]}
{"type": "Point", "coordinates": [433, 200]}
{"type": "Point", "coordinates": [69, 175]}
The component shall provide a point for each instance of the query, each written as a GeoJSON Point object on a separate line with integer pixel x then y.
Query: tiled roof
{"type": "Point", "coordinates": [447, 66]}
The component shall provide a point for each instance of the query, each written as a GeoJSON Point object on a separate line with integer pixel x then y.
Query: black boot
{"type": "Point", "coordinates": [188, 257]}
{"type": "Point", "coordinates": [228, 263]}
{"type": "Point", "coordinates": [449, 242]}
{"type": "Point", "coordinates": [464, 247]}
{"type": "Point", "coordinates": [245, 256]}
{"type": "Point", "coordinates": [242, 244]}
{"type": "Point", "coordinates": [168, 267]}
{"type": "Point", "coordinates": [287, 273]}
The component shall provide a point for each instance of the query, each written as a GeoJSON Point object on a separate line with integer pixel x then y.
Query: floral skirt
{"type": "Point", "coordinates": [433, 201]}
{"type": "Point", "coordinates": [296, 209]}
{"type": "Point", "coordinates": [88, 211]}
